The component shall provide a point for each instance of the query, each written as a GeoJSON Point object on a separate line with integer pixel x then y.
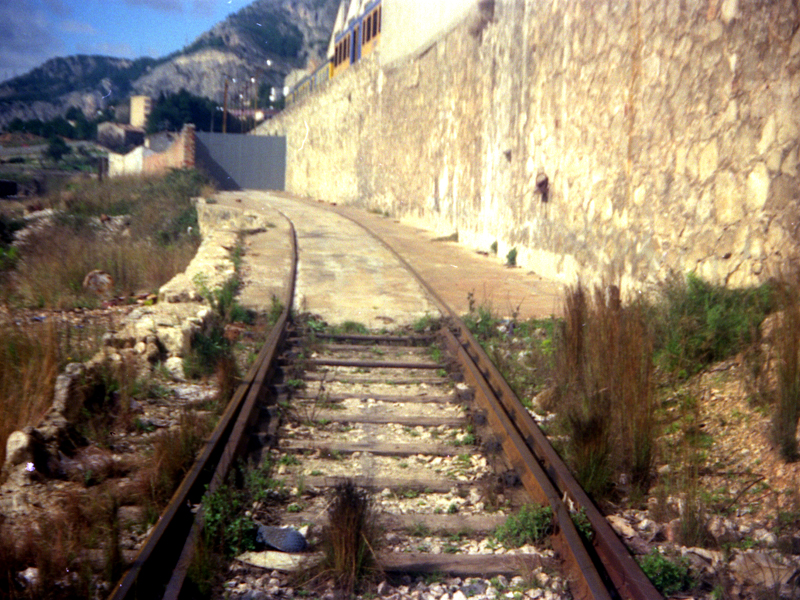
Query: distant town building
{"type": "Point", "coordinates": [118, 135]}
{"type": "Point", "coordinates": [140, 110]}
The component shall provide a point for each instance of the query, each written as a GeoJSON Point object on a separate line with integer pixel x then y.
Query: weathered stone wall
{"type": "Point", "coordinates": [668, 131]}
{"type": "Point", "coordinates": [179, 155]}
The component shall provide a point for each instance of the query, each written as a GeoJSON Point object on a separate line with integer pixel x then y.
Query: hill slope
{"type": "Point", "coordinates": [287, 33]}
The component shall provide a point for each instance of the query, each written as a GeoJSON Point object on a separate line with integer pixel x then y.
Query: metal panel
{"type": "Point", "coordinates": [239, 161]}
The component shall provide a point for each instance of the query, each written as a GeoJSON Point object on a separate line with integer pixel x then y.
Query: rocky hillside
{"type": "Point", "coordinates": [266, 40]}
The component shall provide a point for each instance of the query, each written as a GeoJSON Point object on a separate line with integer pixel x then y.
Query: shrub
{"type": "Point", "coordinates": [530, 525]}
{"type": "Point", "coordinates": [667, 576]}
{"type": "Point", "coordinates": [226, 528]}
{"type": "Point", "coordinates": [511, 258]}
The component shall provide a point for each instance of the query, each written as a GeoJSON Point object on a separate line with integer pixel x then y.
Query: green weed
{"type": "Point", "coordinates": [668, 576]}
{"type": "Point", "coordinates": [700, 323]}
{"type": "Point", "coordinates": [530, 525]}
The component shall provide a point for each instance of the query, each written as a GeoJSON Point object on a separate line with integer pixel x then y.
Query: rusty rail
{"type": "Point", "coordinates": [605, 568]}
{"type": "Point", "coordinates": [161, 565]}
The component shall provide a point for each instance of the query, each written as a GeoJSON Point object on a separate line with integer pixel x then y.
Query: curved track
{"type": "Point", "coordinates": [602, 569]}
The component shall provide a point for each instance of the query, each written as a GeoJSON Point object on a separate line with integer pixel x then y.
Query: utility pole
{"type": "Point", "coordinates": [225, 108]}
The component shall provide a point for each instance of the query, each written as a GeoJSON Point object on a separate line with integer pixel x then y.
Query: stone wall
{"type": "Point", "coordinates": [668, 132]}
{"type": "Point", "coordinates": [179, 155]}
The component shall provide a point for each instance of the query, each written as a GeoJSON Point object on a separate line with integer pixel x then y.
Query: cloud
{"type": "Point", "coordinates": [72, 26]}
{"type": "Point", "coordinates": [159, 5]}
{"type": "Point", "coordinates": [26, 38]}
{"type": "Point", "coordinates": [121, 49]}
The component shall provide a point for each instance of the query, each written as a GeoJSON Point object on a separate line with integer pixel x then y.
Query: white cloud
{"type": "Point", "coordinates": [72, 26]}
{"type": "Point", "coordinates": [26, 38]}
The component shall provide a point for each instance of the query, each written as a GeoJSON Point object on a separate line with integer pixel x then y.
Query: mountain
{"type": "Point", "coordinates": [264, 40]}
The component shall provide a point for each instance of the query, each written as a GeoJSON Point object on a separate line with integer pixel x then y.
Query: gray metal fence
{"type": "Point", "coordinates": [238, 161]}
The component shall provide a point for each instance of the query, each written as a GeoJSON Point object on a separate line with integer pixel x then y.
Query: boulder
{"type": "Point", "coordinates": [760, 568]}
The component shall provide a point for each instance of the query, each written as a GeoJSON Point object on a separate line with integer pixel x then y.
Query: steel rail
{"type": "Point", "coordinates": [237, 442]}
{"type": "Point", "coordinates": [627, 577]}
{"type": "Point", "coordinates": [154, 570]}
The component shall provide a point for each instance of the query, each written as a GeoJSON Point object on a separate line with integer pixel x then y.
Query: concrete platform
{"type": "Point", "coordinates": [344, 274]}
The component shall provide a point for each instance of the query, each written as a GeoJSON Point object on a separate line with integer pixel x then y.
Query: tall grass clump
{"type": "Point", "coordinates": [29, 366]}
{"type": "Point", "coordinates": [604, 389]}
{"type": "Point", "coordinates": [158, 241]}
{"type": "Point", "coordinates": [786, 341]}
{"type": "Point", "coordinates": [701, 323]}
{"type": "Point", "coordinates": [349, 540]}
{"type": "Point", "coordinates": [174, 452]}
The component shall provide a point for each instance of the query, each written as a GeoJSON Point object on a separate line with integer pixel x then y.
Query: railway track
{"type": "Point", "coordinates": [394, 402]}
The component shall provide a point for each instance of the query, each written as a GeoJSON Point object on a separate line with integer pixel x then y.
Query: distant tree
{"type": "Point", "coordinates": [172, 111]}
{"type": "Point", "coordinates": [82, 128]}
{"type": "Point", "coordinates": [57, 148]}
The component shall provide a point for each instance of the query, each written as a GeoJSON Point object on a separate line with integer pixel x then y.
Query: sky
{"type": "Point", "coordinates": [33, 31]}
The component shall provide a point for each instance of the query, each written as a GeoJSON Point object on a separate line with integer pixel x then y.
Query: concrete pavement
{"type": "Point", "coordinates": [344, 274]}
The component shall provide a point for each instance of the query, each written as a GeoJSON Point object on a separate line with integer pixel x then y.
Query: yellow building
{"type": "Point", "coordinates": [140, 110]}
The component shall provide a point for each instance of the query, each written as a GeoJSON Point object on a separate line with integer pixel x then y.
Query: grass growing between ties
{"type": "Point", "coordinates": [531, 525]}
{"type": "Point", "coordinates": [349, 542]}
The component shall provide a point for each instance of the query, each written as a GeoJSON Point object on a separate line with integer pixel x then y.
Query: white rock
{"type": "Point", "coordinates": [174, 366]}
{"type": "Point", "coordinates": [29, 577]}
{"type": "Point", "coordinates": [621, 526]}
{"type": "Point", "coordinates": [18, 448]}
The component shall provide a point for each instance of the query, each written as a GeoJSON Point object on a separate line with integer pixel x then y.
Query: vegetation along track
{"type": "Point", "coordinates": [397, 414]}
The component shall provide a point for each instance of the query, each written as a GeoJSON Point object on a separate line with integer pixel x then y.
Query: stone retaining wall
{"type": "Point", "coordinates": [668, 132]}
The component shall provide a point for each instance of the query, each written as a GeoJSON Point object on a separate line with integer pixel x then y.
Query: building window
{"type": "Point", "coordinates": [375, 21]}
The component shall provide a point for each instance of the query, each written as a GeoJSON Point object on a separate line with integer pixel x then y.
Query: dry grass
{"type": "Point", "coordinates": [160, 239]}
{"type": "Point", "coordinates": [60, 545]}
{"type": "Point", "coordinates": [604, 382]}
{"type": "Point", "coordinates": [787, 347]}
{"type": "Point", "coordinates": [348, 542]}
{"type": "Point", "coordinates": [174, 452]}
{"type": "Point", "coordinates": [29, 365]}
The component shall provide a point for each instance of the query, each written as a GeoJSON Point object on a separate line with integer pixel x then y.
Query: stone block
{"type": "Point", "coordinates": [729, 198]}
{"type": "Point", "coordinates": [783, 191]}
{"type": "Point", "coordinates": [708, 160]}
{"type": "Point", "coordinates": [758, 184]}
{"type": "Point", "coordinates": [768, 135]}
